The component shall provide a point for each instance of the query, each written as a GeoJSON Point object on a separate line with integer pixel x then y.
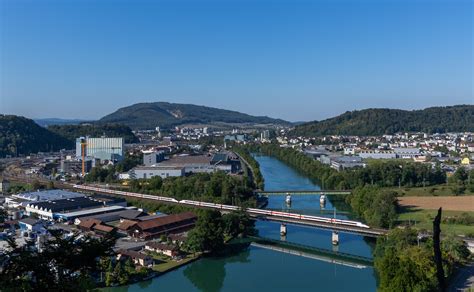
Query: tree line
{"type": "Point", "coordinates": [216, 187]}
{"type": "Point", "coordinates": [256, 173]}
{"type": "Point", "coordinates": [382, 173]}
{"type": "Point", "coordinates": [375, 122]}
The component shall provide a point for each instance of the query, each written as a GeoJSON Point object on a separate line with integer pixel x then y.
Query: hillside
{"type": "Point", "coordinates": [19, 135]}
{"type": "Point", "coordinates": [369, 122]}
{"type": "Point", "coordinates": [168, 115]}
{"type": "Point", "coordinates": [71, 132]}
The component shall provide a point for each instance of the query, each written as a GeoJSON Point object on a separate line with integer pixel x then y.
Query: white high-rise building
{"type": "Point", "coordinates": [101, 148]}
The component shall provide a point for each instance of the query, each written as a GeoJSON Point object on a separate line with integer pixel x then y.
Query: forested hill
{"type": "Point", "coordinates": [167, 115]}
{"type": "Point", "coordinates": [19, 135]}
{"type": "Point", "coordinates": [71, 132]}
{"type": "Point", "coordinates": [368, 122]}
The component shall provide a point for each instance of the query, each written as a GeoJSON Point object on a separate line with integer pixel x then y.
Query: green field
{"type": "Point", "coordinates": [437, 190]}
{"type": "Point", "coordinates": [423, 220]}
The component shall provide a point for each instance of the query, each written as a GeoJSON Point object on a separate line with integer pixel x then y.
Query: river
{"type": "Point", "coordinates": [258, 269]}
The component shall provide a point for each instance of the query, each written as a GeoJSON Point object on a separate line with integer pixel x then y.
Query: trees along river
{"type": "Point", "coordinates": [258, 269]}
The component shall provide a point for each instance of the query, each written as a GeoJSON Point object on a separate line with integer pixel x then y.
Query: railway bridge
{"type": "Point", "coordinates": [303, 192]}
{"type": "Point", "coordinates": [284, 218]}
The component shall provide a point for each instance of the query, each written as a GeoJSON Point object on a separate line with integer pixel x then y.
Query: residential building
{"type": "Point", "coordinates": [265, 135]}
{"type": "Point", "coordinates": [162, 248]}
{"type": "Point", "coordinates": [136, 257]}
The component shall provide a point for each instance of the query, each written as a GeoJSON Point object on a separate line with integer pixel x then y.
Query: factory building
{"type": "Point", "coordinates": [153, 157]}
{"type": "Point", "coordinates": [73, 207]}
{"type": "Point", "coordinates": [145, 172]}
{"type": "Point", "coordinates": [377, 154]}
{"type": "Point", "coordinates": [407, 153]}
{"type": "Point", "coordinates": [110, 149]}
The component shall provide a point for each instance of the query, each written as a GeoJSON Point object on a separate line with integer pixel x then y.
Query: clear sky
{"type": "Point", "coordinates": [296, 60]}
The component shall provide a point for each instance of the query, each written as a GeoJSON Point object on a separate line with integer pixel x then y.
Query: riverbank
{"type": "Point", "coordinates": [244, 269]}
{"type": "Point", "coordinates": [168, 265]}
{"type": "Point", "coordinates": [252, 167]}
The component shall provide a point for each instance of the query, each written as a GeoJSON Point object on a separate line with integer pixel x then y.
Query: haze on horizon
{"type": "Point", "coordinates": [295, 60]}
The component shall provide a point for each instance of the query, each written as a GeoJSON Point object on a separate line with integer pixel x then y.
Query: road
{"type": "Point", "coordinates": [464, 280]}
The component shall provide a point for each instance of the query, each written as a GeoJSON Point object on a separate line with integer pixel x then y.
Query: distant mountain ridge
{"type": "Point", "coordinates": [380, 121]}
{"type": "Point", "coordinates": [56, 121]}
{"type": "Point", "coordinates": [168, 115]}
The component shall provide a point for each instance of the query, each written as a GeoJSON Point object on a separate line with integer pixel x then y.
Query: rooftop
{"type": "Point", "coordinates": [186, 160]}
{"type": "Point", "coordinates": [166, 220]}
{"type": "Point", "coordinates": [30, 221]}
{"type": "Point", "coordinates": [115, 216]}
{"type": "Point", "coordinates": [48, 195]}
{"type": "Point", "coordinates": [82, 213]}
{"type": "Point", "coordinates": [66, 204]}
{"type": "Point", "coordinates": [162, 246]}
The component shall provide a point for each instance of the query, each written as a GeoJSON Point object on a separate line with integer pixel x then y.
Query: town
{"type": "Point", "coordinates": [236, 146]}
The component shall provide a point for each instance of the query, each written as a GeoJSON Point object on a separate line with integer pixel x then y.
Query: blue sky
{"type": "Point", "coordinates": [296, 60]}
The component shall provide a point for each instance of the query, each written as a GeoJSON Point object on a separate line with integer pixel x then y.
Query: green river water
{"type": "Point", "coordinates": [260, 269]}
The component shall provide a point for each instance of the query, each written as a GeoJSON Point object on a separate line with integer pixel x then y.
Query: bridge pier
{"type": "Point", "coordinates": [335, 238]}
{"type": "Point", "coordinates": [283, 229]}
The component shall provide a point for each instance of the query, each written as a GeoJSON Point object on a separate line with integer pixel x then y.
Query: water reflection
{"type": "Point", "coordinates": [215, 267]}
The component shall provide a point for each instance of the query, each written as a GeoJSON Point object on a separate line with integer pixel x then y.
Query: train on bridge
{"type": "Point", "coordinates": [251, 211]}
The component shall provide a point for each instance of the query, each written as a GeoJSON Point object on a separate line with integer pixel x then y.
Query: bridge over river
{"type": "Point", "coordinates": [304, 192]}
{"type": "Point", "coordinates": [283, 217]}
{"type": "Point", "coordinates": [322, 254]}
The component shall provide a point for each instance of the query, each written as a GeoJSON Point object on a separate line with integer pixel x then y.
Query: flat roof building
{"type": "Point", "coordinates": [60, 209]}
{"type": "Point", "coordinates": [145, 172]}
{"type": "Point", "coordinates": [110, 149]}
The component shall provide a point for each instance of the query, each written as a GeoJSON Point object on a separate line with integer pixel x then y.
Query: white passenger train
{"type": "Point", "coordinates": [253, 211]}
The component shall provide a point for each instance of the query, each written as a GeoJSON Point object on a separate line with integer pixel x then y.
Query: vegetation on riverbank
{"type": "Point", "coordinates": [257, 174]}
{"type": "Point", "coordinates": [212, 230]}
{"type": "Point", "coordinates": [382, 173]}
{"type": "Point", "coordinates": [377, 207]}
{"type": "Point", "coordinates": [216, 187]}
{"type": "Point", "coordinates": [404, 263]}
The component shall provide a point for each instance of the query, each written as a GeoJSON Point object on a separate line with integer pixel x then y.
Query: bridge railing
{"type": "Point", "coordinates": [303, 247]}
